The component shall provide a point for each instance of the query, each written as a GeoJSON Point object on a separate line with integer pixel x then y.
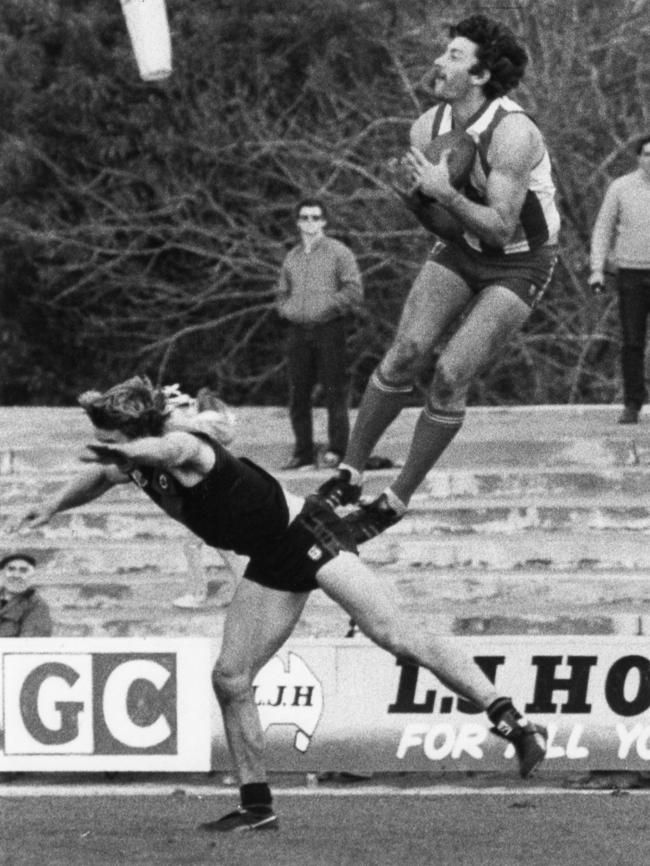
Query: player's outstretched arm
{"type": "Point", "coordinates": [88, 485]}
{"type": "Point", "coordinates": [169, 451]}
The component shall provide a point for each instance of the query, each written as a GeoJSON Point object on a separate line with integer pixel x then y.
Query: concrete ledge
{"type": "Point", "coordinates": [443, 485]}
{"type": "Point", "coordinates": [139, 622]}
{"type": "Point", "coordinates": [563, 549]}
{"type": "Point", "coordinates": [463, 452]}
{"type": "Point", "coordinates": [447, 602]}
{"type": "Point", "coordinates": [42, 437]}
{"type": "Point", "coordinates": [141, 520]}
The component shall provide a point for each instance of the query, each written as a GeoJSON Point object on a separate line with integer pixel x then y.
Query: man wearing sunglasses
{"type": "Point", "coordinates": [318, 288]}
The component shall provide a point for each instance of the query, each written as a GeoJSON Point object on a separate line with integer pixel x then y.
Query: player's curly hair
{"type": "Point", "coordinates": [134, 407]}
{"type": "Point", "coordinates": [497, 51]}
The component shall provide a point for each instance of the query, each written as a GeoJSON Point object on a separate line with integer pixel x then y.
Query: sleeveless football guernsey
{"type": "Point", "coordinates": [237, 506]}
{"type": "Point", "coordinates": [539, 220]}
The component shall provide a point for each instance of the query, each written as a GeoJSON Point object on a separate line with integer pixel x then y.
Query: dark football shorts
{"type": "Point", "coordinates": [316, 536]}
{"type": "Point", "coordinates": [526, 274]}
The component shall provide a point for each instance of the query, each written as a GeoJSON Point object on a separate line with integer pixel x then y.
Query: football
{"type": "Point", "coordinates": [430, 214]}
{"type": "Point", "coordinates": [461, 159]}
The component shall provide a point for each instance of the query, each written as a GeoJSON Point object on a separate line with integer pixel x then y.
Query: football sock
{"type": "Point", "coordinates": [356, 477]}
{"type": "Point", "coordinates": [433, 432]}
{"type": "Point", "coordinates": [500, 708]}
{"type": "Point", "coordinates": [256, 796]}
{"type": "Point", "coordinates": [395, 502]}
{"type": "Point", "coordinates": [380, 405]}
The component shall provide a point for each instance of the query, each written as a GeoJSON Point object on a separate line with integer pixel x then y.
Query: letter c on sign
{"type": "Point", "coordinates": [69, 711]}
{"type": "Point", "coordinates": [115, 704]}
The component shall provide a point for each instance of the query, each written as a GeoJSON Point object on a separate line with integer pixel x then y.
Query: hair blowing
{"type": "Point", "coordinates": [134, 407]}
{"type": "Point", "coordinates": [497, 51]}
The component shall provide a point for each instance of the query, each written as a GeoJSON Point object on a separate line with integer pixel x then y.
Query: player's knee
{"type": "Point", "coordinates": [402, 361]}
{"type": "Point", "coordinates": [448, 384]}
{"type": "Point", "coordinates": [230, 685]}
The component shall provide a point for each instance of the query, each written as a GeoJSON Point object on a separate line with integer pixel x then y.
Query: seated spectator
{"type": "Point", "coordinates": [23, 613]}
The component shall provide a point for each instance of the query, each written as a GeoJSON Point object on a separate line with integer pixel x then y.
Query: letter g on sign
{"type": "Point", "coordinates": [101, 703]}
{"type": "Point", "coordinates": [68, 711]}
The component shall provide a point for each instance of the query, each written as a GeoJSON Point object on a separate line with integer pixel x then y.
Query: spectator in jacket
{"type": "Point", "coordinates": [623, 226]}
{"type": "Point", "coordinates": [23, 613]}
{"type": "Point", "coordinates": [318, 288]}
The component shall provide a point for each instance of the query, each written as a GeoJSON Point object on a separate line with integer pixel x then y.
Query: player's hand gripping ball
{"type": "Point", "coordinates": [462, 150]}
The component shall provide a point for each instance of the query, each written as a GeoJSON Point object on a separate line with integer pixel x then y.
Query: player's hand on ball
{"type": "Point", "coordinates": [432, 180]}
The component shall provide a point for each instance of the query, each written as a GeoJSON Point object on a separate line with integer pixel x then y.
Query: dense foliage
{"type": "Point", "coordinates": [142, 225]}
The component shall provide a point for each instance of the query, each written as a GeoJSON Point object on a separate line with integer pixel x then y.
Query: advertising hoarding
{"type": "Point", "coordinates": [81, 704]}
{"type": "Point", "coordinates": [346, 705]}
{"type": "Point", "coordinates": [87, 704]}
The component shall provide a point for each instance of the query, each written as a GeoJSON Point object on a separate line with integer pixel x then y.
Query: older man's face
{"type": "Point", "coordinates": [16, 576]}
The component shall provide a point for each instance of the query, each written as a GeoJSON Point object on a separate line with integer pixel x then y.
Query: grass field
{"type": "Point", "coordinates": [463, 827]}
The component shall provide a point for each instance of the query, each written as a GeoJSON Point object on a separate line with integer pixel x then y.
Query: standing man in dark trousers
{"type": "Point", "coordinates": [623, 225]}
{"type": "Point", "coordinates": [319, 286]}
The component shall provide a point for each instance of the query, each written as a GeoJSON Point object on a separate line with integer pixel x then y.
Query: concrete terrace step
{"type": "Point", "coordinates": [498, 589]}
{"type": "Point", "coordinates": [426, 609]}
{"type": "Point", "coordinates": [51, 438]}
{"type": "Point", "coordinates": [28, 426]}
{"type": "Point", "coordinates": [334, 623]}
{"type": "Point", "coordinates": [587, 451]}
{"type": "Point", "coordinates": [447, 600]}
{"type": "Point", "coordinates": [455, 483]}
{"type": "Point", "coordinates": [546, 482]}
{"type": "Point", "coordinates": [436, 586]}
{"type": "Point", "coordinates": [116, 592]}
{"type": "Point", "coordinates": [562, 549]}
{"type": "Point", "coordinates": [90, 556]}
{"type": "Point", "coordinates": [525, 513]}
{"type": "Point", "coordinates": [557, 549]}
{"type": "Point", "coordinates": [427, 516]}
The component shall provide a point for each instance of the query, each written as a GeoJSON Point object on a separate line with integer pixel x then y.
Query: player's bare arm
{"type": "Point", "coordinates": [187, 457]}
{"type": "Point", "coordinates": [88, 485]}
{"type": "Point", "coordinates": [516, 148]}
